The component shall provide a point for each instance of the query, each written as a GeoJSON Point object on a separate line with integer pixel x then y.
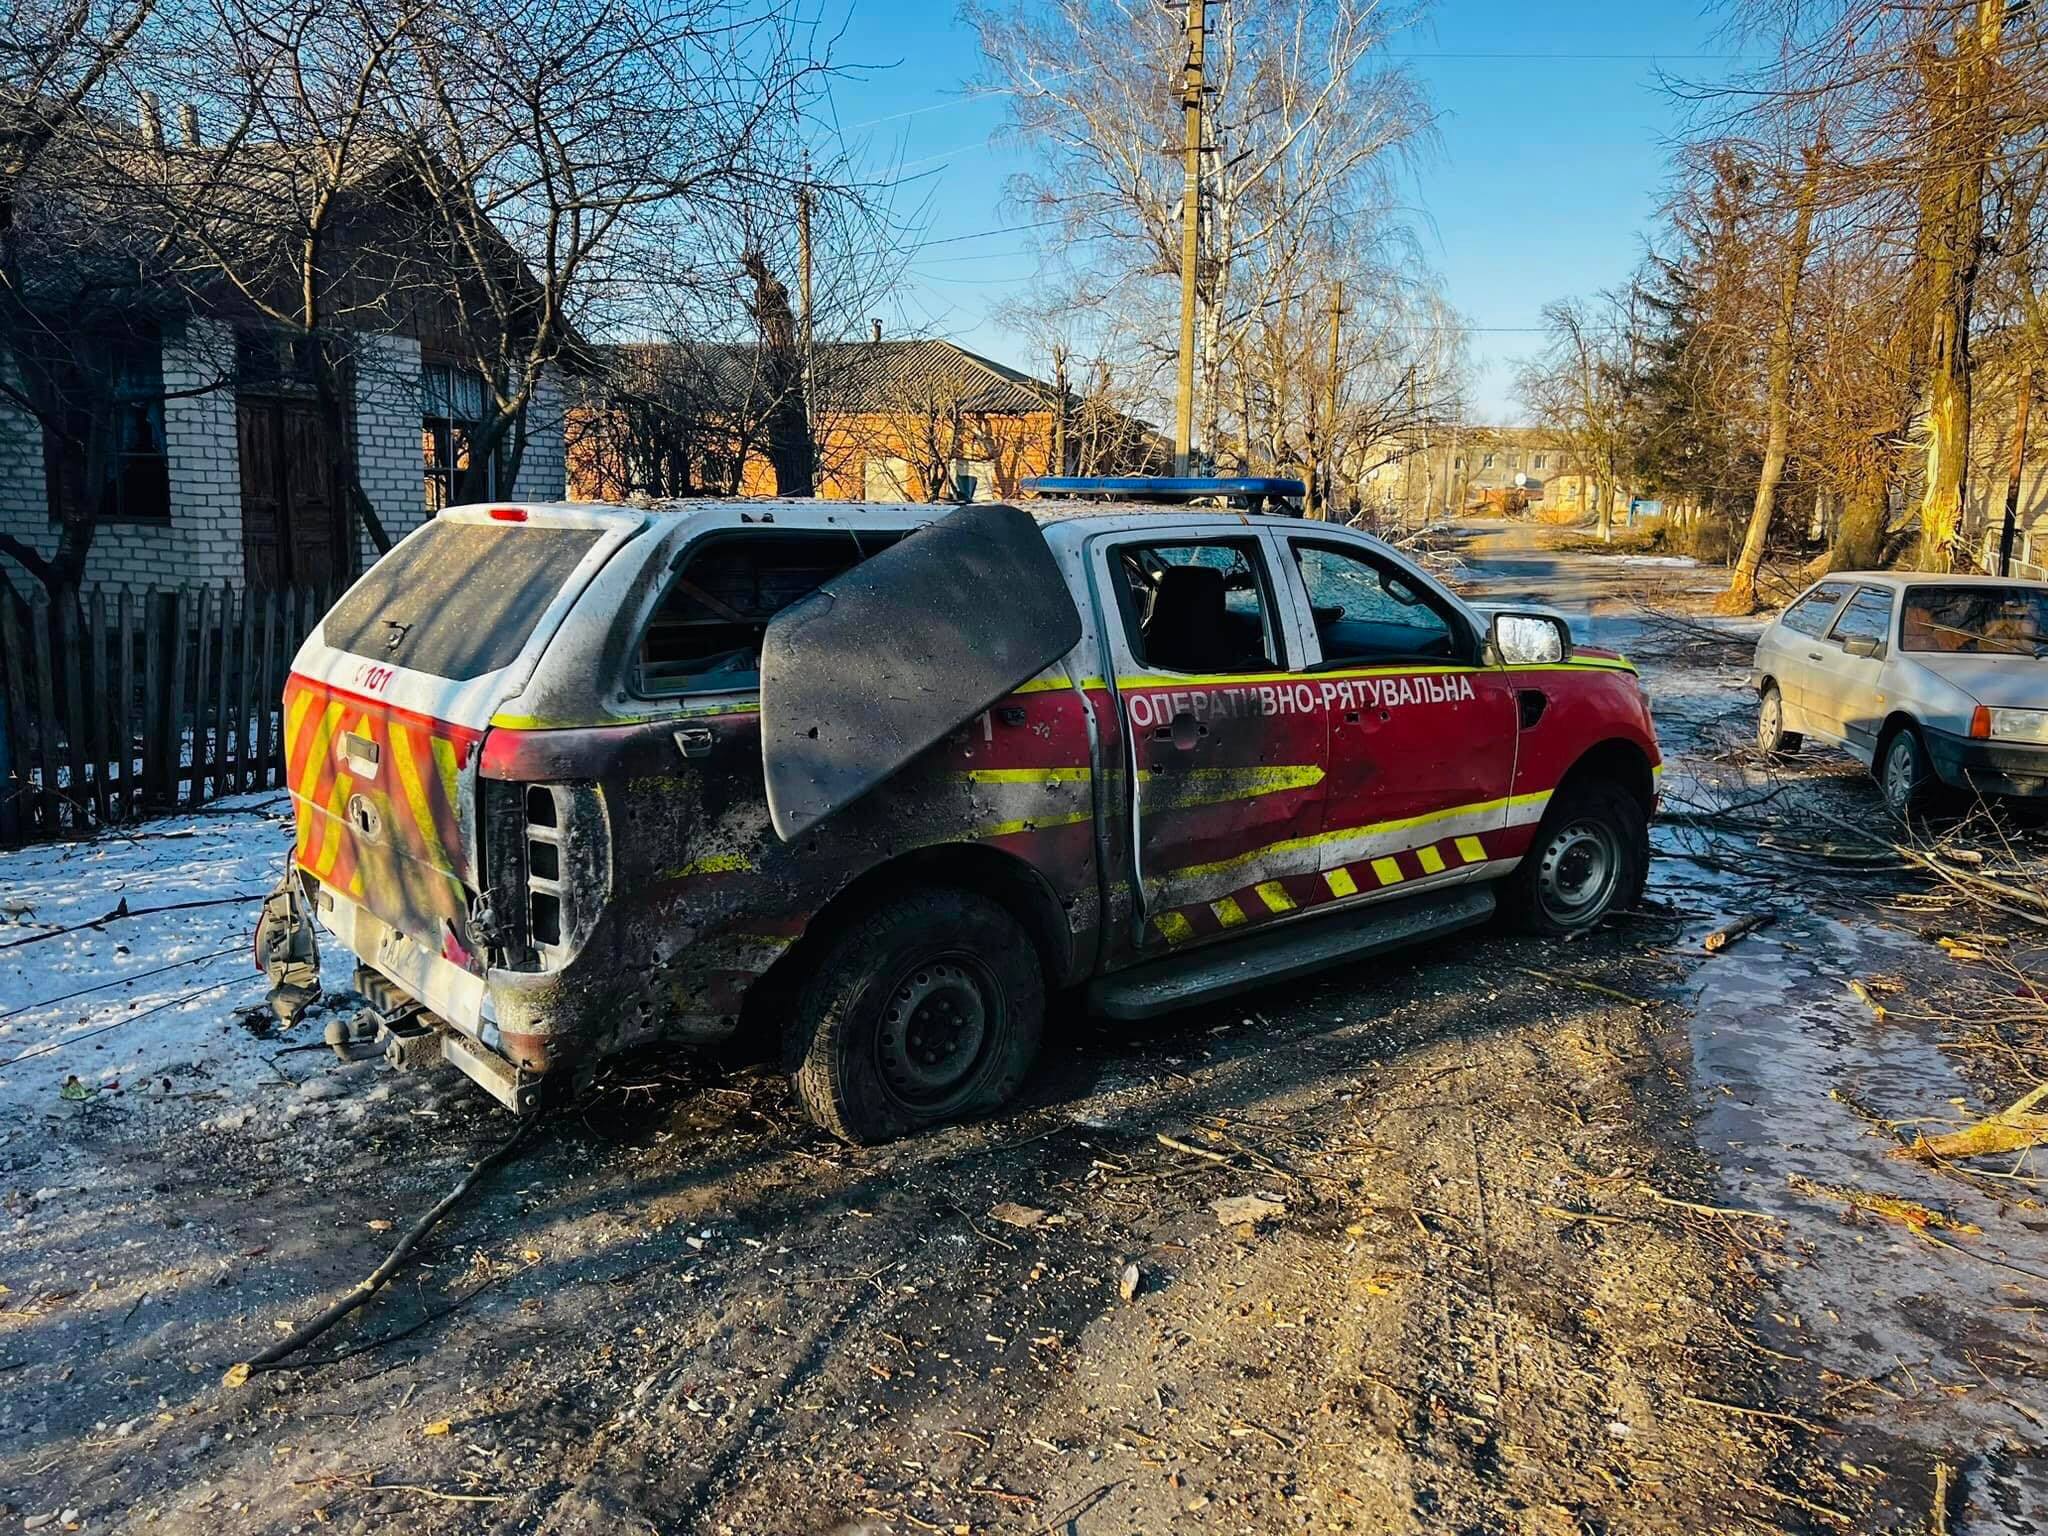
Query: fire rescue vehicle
{"type": "Point", "coordinates": [877, 781]}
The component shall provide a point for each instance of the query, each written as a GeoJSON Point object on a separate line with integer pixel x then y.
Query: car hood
{"type": "Point", "coordinates": [2013, 681]}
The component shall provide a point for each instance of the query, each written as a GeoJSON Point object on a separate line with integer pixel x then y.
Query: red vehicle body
{"type": "Point", "coordinates": [818, 772]}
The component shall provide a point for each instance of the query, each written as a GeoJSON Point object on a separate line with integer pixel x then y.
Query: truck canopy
{"type": "Point", "coordinates": [888, 658]}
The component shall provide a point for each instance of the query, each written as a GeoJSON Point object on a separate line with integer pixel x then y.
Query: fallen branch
{"type": "Point", "coordinates": [1736, 931]}
{"type": "Point", "coordinates": [238, 1374]}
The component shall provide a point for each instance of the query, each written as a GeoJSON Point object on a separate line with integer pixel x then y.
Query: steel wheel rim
{"type": "Point", "coordinates": [1898, 774]}
{"type": "Point", "coordinates": [938, 1025]}
{"type": "Point", "coordinates": [1578, 872]}
{"type": "Point", "coordinates": [1768, 720]}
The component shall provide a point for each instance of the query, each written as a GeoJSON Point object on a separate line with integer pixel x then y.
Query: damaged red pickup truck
{"type": "Point", "coordinates": [880, 780]}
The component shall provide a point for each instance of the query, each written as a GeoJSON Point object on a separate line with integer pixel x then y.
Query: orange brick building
{"type": "Point", "coordinates": [914, 420]}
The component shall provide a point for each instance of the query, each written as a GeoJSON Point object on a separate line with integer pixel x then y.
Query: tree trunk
{"type": "Point", "coordinates": [1953, 258]}
{"type": "Point", "coordinates": [1740, 597]}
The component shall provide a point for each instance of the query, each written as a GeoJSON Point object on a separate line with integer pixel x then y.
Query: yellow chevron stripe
{"type": "Point", "coordinates": [1318, 839]}
{"type": "Point", "coordinates": [1174, 927]}
{"type": "Point", "coordinates": [415, 791]}
{"type": "Point", "coordinates": [294, 718]}
{"type": "Point", "coordinates": [1275, 896]}
{"type": "Point", "coordinates": [1340, 882]}
{"type": "Point", "coordinates": [1432, 862]}
{"type": "Point", "coordinates": [1471, 850]}
{"type": "Point", "coordinates": [444, 762]}
{"type": "Point", "coordinates": [1387, 871]}
{"type": "Point", "coordinates": [1227, 911]}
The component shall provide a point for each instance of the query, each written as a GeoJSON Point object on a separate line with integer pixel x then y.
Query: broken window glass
{"type": "Point", "coordinates": [706, 635]}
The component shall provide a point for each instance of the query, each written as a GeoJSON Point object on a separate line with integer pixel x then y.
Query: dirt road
{"type": "Point", "coordinates": [1542, 1253]}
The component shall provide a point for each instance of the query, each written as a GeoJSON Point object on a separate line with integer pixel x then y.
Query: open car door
{"type": "Point", "coordinates": [889, 658]}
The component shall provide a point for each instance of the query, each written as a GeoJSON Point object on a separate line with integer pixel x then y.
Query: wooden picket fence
{"type": "Point", "coordinates": [124, 704]}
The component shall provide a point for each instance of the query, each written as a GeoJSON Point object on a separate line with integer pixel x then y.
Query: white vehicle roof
{"type": "Point", "coordinates": [1929, 578]}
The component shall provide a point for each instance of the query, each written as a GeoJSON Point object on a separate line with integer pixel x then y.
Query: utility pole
{"type": "Point", "coordinates": [803, 335]}
{"type": "Point", "coordinates": [1326, 471]}
{"type": "Point", "coordinates": [1408, 458]}
{"type": "Point", "coordinates": [1190, 235]}
{"type": "Point", "coordinates": [2012, 479]}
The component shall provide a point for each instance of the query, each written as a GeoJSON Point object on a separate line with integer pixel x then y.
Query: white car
{"type": "Point", "coordinates": [1924, 678]}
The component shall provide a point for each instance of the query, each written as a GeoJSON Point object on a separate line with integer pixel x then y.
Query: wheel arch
{"type": "Point", "coordinates": [1011, 882]}
{"type": "Point", "coordinates": [1898, 720]}
{"type": "Point", "coordinates": [1620, 761]}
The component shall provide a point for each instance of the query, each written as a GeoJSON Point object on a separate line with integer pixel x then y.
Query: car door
{"type": "Point", "coordinates": [1843, 686]}
{"type": "Point", "coordinates": [1422, 734]}
{"type": "Point", "coordinates": [1796, 645]}
{"type": "Point", "coordinates": [1225, 739]}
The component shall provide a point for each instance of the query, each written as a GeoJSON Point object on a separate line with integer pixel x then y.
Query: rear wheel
{"type": "Point", "coordinates": [1590, 857]}
{"type": "Point", "coordinates": [929, 1009]}
{"type": "Point", "coordinates": [1904, 774]}
{"type": "Point", "coordinates": [1772, 739]}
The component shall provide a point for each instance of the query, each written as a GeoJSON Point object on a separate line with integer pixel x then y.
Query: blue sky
{"type": "Point", "coordinates": [1552, 160]}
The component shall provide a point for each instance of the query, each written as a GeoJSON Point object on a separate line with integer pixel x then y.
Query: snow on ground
{"type": "Point", "coordinates": [147, 1006]}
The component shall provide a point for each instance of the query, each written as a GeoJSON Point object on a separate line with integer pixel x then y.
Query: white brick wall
{"type": "Point", "coordinates": [542, 474]}
{"type": "Point", "coordinates": [203, 540]}
{"type": "Point", "coordinates": [388, 460]}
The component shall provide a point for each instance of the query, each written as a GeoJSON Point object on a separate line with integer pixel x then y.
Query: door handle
{"type": "Point", "coordinates": [1815, 656]}
{"type": "Point", "coordinates": [1184, 731]}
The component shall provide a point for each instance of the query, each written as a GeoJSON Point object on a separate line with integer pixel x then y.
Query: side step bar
{"type": "Point", "coordinates": [1283, 953]}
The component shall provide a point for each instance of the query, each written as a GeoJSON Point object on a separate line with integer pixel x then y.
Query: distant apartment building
{"type": "Point", "coordinates": [1456, 468]}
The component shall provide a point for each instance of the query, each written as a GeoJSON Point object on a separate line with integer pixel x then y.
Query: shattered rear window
{"type": "Point", "coordinates": [457, 600]}
{"type": "Point", "coordinates": [706, 635]}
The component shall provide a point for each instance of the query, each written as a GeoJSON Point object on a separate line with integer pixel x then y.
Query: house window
{"type": "Point", "coordinates": [452, 411]}
{"type": "Point", "coordinates": [1459, 462]}
{"type": "Point", "coordinates": [1537, 462]}
{"type": "Point", "coordinates": [1487, 462]}
{"type": "Point", "coordinates": [113, 402]}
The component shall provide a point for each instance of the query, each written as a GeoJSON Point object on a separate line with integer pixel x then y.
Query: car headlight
{"type": "Point", "coordinates": [2020, 725]}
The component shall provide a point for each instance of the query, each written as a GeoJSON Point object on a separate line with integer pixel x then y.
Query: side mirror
{"type": "Point", "coordinates": [1529, 639]}
{"type": "Point", "coordinates": [1863, 645]}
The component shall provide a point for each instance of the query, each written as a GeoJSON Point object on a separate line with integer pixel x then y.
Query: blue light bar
{"type": "Point", "coordinates": [1252, 488]}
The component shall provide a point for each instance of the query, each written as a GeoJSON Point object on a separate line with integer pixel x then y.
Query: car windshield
{"type": "Point", "coordinates": [1976, 620]}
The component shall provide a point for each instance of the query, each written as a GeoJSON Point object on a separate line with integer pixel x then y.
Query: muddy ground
{"type": "Point", "coordinates": [1559, 1239]}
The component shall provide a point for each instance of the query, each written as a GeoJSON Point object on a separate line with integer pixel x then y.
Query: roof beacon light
{"type": "Point", "coordinates": [1252, 492]}
{"type": "Point", "coordinates": [509, 514]}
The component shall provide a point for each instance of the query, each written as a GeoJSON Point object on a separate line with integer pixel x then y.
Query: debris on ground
{"type": "Point", "coordinates": [1247, 1210]}
{"type": "Point", "coordinates": [2013, 1129]}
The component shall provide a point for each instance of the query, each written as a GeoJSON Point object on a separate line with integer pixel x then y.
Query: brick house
{"type": "Point", "coordinates": [214, 461]}
{"type": "Point", "coordinates": [892, 420]}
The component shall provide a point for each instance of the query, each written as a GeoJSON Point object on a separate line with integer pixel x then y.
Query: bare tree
{"type": "Point", "coordinates": [1740, 598]}
{"type": "Point", "coordinates": [1313, 122]}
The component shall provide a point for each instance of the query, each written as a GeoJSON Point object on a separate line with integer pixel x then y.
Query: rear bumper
{"type": "Point", "coordinates": [1989, 767]}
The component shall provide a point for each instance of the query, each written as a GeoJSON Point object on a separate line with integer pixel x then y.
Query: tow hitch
{"type": "Point", "coordinates": [411, 1038]}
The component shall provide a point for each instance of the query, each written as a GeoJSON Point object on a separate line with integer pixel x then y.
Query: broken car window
{"type": "Point", "coordinates": [1371, 610]}
{"type": "Point", "coordinates": [706, 635]}
{"type": "Point", "coordinates": [1196, 607]}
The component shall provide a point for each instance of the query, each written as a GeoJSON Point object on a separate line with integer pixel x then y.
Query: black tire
{"type": "Point", "coordinates": [925, 978]}
{"type": "Point", "coordinates": [1772, 739]}
{"type": "Point", "coordinates": [1590, 857]}
{"type": "Point", "coordinates": [1904, 776]}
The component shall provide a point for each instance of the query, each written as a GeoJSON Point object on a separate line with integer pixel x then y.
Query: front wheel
{"type": "Point", "coordinates": [928, 1009]}
{"type": "Point", "coordinates": [1904, 773]}
{"type": "Point", "coordinates": [1590, 857]}
{"type": "Point", "coordinates": [1772, 739]}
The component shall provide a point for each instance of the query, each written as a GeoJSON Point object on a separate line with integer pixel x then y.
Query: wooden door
{"type": "Point", "coordinates": [264, 561]}
{"type": "Point", "coordinates": [293, 528]}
